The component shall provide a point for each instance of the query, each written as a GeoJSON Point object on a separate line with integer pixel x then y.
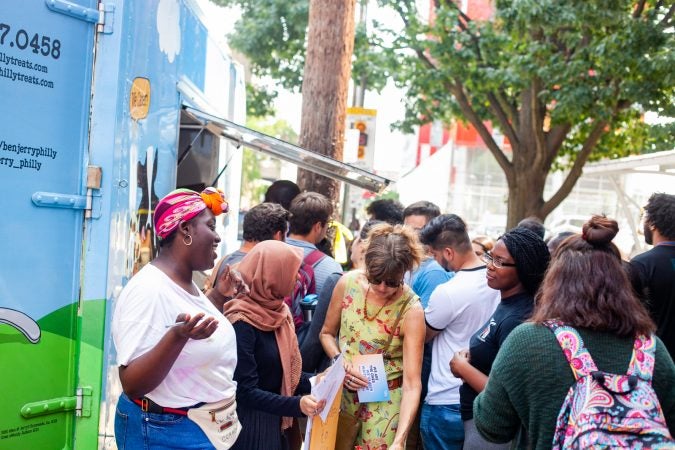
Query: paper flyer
{"type": "Point", "coordinates": [372, 367]}
{"type": "Point", "coordinates": [322, 429]}
{"type": "Point", "coordinates": [322, 434]}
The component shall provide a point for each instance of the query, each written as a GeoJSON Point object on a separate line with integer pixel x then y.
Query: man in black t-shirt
{"type": "Point", "coordinates": [654, 271]}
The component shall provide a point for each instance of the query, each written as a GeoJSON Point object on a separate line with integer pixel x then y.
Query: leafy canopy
{"type": "Point", "coordinates": [272, 35]}
{"type": "Point", "coordinates": [565, 82]}
{"type": "Point", "coordinates": [586, 61]}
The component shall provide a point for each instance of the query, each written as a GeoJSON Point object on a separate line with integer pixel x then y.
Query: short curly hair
{"type": "Point", "coordinates": [660, 212]}
{"type": "Point", "coordinates": [264, 220]}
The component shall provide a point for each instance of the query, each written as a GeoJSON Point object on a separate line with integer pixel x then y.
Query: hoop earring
{"type": "Point", "coordinates": [187, 240]}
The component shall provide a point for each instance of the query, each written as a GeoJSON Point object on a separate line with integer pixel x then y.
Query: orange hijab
{"type": "Point", "coordinates": [270, 270]}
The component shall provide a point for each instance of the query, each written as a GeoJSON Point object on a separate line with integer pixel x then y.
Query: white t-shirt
{"type": "Point", "coordinates": [204, 370]}
{"type": "Point", "coordinates": [458, 308]}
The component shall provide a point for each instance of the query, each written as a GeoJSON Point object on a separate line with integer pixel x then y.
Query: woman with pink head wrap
{"type": "Point", "coordinates": [175, 350]}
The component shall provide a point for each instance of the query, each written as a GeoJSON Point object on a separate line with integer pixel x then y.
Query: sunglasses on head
{"type": "Point", "coordinates": [388, 283]}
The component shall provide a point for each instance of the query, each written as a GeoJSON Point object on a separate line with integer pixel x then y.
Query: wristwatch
{"type": "Point", "coordinates": [334, 358]}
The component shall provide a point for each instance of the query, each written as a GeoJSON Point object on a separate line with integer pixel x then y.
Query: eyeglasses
{"type": "Point", "coordinates": [498, 263]}
{"type": "Point", "coordinates": [388, 283]}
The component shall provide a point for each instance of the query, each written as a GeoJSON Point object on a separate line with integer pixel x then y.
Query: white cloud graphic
{"type": "Point", "coordinates": [168, 28]}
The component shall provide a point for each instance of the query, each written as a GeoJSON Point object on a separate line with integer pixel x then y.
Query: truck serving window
{"type": "Point", "coordinates": [197, 155]}
{"type": "Point", "coordinates": [303, 158]}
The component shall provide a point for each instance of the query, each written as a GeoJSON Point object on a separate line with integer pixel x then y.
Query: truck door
{"type": "Point", "coordinates": [46, 62]}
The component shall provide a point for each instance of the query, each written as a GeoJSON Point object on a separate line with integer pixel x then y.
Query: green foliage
{"type": "Point", "coordinates": [272, 35]}
{"type": "Point", "coordinates": [585, 60]}
{"type": "Point", "coordinates": [565, 82]}
{"type": "Point", "coordinates": [252, 186]}
{"type": "Point", "coordinates": [259, 101]}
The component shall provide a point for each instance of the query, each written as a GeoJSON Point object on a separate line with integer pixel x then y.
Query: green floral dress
{"type": "Point", "coordinates": [361, 336]}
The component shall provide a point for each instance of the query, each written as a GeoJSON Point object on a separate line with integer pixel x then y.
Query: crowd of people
{"type": "Point", "coordinates": [484, 341]}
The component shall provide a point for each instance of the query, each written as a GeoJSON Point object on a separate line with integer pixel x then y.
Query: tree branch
{"type": "Point", "coordinates": [539, 115]}
{"type": "Point", "coordinates": [554, 140]}
{"type": "Point", "coordinates": [577, 168]}
{"type": "Point", "coordinates": [504, 121]}
{"type": "Point", "coordinates": [458, 91]}
{"type": "Point", "coordinates": [497, 103]}
{"type": "Point", "coordinates": [420, 52]}
{"type": "Point", "coordinates": [666, 19]}
{"type": "Point", "coordinates": [639, 8]}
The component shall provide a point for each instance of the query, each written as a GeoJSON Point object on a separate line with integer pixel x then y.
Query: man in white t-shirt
{"type": "Point", "coordinates": [455, 311]}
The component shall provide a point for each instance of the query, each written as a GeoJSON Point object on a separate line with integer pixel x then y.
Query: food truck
{"type": "Point", "coordinates": [108, 106]}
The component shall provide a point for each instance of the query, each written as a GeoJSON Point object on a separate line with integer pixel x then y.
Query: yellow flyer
{"type": "Point", "coordinates": [322, 434]}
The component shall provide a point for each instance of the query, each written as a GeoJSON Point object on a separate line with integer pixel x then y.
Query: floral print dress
{"type": "Point", "coordinates": [361, 335]}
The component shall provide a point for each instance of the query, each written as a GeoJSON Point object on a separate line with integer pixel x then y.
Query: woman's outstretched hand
{"type": "Point", "coordinates": [196, 327]}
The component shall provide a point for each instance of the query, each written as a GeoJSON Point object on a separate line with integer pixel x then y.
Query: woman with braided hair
{"type": "Point", "coordinates": [515, 267]}
{"type": "Point", "coordinates": [586, 288]}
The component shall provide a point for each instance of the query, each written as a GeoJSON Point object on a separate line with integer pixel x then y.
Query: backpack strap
{"type": "Point", "coordinates": [642, 360]}
{"type": "Point", "coordinates": [573, 347]}
{"type": "Point", "coordinates": [314, 257]}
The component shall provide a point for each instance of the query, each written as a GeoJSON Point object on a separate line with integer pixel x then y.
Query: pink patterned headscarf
{"type": "Point", "coordinates": [182, 205]}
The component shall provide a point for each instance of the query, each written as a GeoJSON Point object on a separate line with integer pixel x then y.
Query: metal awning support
{"type": "Point", "coordinates": [662, 163]}
{"type": "Point", "coordinates": [303, 158]}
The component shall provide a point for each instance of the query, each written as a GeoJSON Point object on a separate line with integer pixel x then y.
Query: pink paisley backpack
{"type": "Point", "coordinates": [604, 410]}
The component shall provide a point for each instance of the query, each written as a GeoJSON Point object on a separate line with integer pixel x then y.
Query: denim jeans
{"type": "Point", "coordinates": [138, 430]}
{"type": "Point", "coordinates": [442, 427]}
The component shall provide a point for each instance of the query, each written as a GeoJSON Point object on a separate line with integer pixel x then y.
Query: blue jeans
{"type": "Point", "coordinates": [441, 427]}
{"type": "Point", "coordinates": [138, 430]}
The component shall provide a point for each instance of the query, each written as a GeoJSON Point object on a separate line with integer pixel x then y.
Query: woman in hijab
{"type": "Point", "coordinates": [515, 267]}
{"type": "Point", "coordinates": [174, 349]}
{"type": "Point", "coordinates": [269, 369]}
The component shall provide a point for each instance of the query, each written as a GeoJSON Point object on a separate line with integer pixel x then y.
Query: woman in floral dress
{"type": "Point", "coordinates": [364, 309]}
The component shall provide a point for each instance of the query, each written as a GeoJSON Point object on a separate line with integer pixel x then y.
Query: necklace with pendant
{"type": "Point", "coordinates": [365, 307]}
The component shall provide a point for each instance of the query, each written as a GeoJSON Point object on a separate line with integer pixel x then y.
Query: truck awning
{"type": "Point", "coordinates": [303, 158]}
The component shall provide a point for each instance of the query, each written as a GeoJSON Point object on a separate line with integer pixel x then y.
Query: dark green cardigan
{"type": "Point", "coordinates": [530, 379]}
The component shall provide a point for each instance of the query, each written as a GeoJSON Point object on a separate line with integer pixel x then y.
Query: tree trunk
{"type": "Point", "coordinates": [526, 191]}
{"type": "Point", "coordinates": [330, 44]}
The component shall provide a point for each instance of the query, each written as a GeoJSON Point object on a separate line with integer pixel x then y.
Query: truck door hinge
{"type": "Point", "coordinates": [106, 16]}
{"type": "Point", "coordinates": [80, 403]}
{"type": "Point", "coordinates": [101, 16]}
{"type": "Point", "coordinates": [90, 203]}
{"type": "Point", "coordinates": [83, 405]}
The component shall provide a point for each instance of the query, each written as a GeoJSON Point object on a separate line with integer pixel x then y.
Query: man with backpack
{"type": "Point", "coordinates": [310, 214]}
